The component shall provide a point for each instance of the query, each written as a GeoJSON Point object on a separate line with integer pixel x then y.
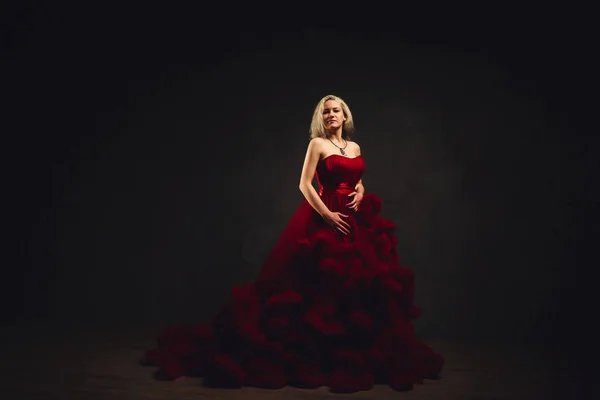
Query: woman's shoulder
{"type": "Point", "coordinates": [354, 145]}
{"type": "Point", "coordinates": [317, 142]}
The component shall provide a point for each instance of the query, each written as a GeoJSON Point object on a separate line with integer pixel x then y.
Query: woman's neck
{"type": "Point", "coordinates": [335, 135]}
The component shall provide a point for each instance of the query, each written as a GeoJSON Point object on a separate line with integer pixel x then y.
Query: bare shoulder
{"type": "Point", "coordinates": [354, 147]}
{"type": "Point", "coordinates": [316, 144]}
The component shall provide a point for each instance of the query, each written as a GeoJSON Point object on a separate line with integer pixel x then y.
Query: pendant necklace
{"type": "Point", "coordinates": [341, 148]}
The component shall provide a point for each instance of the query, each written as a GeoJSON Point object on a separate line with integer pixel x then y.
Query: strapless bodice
{"type": "Point", "coordinates": [337, 176]}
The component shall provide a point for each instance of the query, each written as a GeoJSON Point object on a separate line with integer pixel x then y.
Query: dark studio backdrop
{"type": "Point", "coordinates": [153, 156]}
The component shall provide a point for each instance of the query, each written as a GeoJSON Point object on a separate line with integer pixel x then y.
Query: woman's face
{"type": "Point", "coordinates": [333, 115]}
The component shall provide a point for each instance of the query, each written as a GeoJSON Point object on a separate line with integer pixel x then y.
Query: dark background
{"type": "Point", "coordinates": [153, 153]}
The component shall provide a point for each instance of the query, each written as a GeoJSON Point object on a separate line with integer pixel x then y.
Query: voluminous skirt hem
{"type": "Point", "coordinates": [326, 310]}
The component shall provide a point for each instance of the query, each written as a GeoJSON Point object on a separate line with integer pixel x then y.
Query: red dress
{"type": "Point", "coordinates": [325, 309]}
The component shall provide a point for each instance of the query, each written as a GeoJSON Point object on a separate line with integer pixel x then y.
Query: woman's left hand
{"type": "Point", "coordinates": [353, 205]}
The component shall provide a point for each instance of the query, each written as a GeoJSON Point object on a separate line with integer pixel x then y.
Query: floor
{"type": "Point", "coordinates": [85, 362]}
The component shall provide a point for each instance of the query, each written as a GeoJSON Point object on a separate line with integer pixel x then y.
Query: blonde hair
{"type": "Point", "coordinates": [317, 126]}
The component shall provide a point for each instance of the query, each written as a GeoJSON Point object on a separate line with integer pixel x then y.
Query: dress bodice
{"type": "Point", "coordinates": [337, 176]}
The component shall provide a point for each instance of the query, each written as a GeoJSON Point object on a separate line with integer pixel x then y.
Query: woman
{"type": "Point", "coordinates": [331, 305]}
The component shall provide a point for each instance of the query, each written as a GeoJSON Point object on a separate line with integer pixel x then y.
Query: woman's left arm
{"type": "Point", "coordinates": [359, 187]}
{"type": "Point", "coordinates": [357, 195]}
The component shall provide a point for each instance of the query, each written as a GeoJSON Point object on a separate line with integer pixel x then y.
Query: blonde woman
{"type": "Point", "coordinates": [331, 306]}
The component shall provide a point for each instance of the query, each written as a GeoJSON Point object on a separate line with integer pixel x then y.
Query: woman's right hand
{"type": "Point", "coordinates": [335, 220]}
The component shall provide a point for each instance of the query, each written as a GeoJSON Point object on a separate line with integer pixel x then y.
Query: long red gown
{"type": "Point", "coordinates": [325, 310]}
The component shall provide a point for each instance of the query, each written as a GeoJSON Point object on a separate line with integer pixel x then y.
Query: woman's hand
{"type": "Point", "coordinates": [334, 219]}
{"type": "Point", "coordinates": [356, 201]}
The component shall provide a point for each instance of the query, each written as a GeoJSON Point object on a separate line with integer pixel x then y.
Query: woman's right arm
{"type": "Point", "coordinates": [308, 172]}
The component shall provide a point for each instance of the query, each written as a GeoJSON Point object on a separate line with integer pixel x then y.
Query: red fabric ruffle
{"type": "Point", "coordinates": [325, 310]}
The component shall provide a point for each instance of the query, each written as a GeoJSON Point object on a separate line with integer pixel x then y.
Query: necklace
{"type": "Point", "coordinates": [341, 148]}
